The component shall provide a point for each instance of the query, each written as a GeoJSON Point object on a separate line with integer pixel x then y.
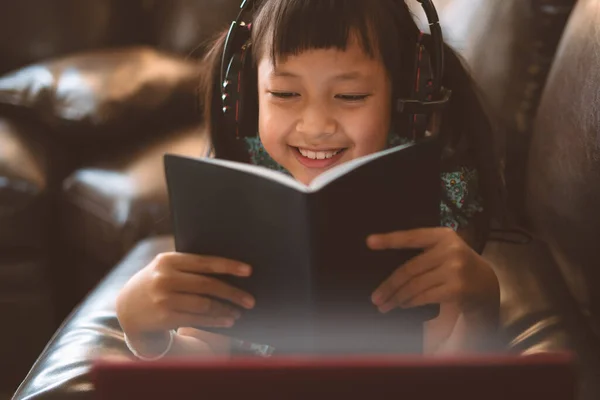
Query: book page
{"type": "Point", "coordinates": [331, 175]}
{"type": "Point", "coordinates": [259, 171]}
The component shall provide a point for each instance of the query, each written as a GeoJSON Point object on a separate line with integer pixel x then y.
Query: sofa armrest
{"type": "Point", "coordinates": [91, 331]}
{"type": "Point", "coordinates": [111, 206]}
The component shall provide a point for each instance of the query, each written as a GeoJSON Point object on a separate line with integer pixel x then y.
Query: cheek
{"type": "Point", "coordinates": [268, 122]}
{"type": "Point", "coordinates": [369, 129]}
{"type": "Point", "coordinates": [272, 128]}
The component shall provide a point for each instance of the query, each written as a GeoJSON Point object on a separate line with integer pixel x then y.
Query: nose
{"type": "Point", "coordinates": [316, 121]}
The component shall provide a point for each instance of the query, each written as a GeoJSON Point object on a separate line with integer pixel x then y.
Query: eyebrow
{"type": "Point", "coordinates": [347, 76]}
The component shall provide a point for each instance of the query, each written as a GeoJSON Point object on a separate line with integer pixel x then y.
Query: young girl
{"type": "Point", "coordinates": [326, 73]}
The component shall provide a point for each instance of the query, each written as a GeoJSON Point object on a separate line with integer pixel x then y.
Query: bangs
{"type": "Point", "coordinates": [288, 27]}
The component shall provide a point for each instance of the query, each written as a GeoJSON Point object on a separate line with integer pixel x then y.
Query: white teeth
{"type": "Point", "coordinates": [318, 155]}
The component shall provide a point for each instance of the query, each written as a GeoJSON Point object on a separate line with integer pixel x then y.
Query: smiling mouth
{"type": "Point", "coordinates": [318, 155]}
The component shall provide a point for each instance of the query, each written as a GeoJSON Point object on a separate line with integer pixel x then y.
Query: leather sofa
{"type": "Point", "coordinates": [77, 82]}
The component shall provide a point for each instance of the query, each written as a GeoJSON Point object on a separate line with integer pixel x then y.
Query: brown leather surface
{"type": "Point", "coordinates": [564, 165]}
{"type": "Point", "coordinates": [115, 94]}
{"type": "Point", "coordinates": [26, 301]}
{"type": "Point", "coordinates": [27, 312]}
{"type": "Point", "coordinates": [31, 30]}
{"type": "Point", "coordinates": [23, 185]}
{"type": "Point", "coordinates": [112, 205]}
{"type": "Point", "coordinates": [528, 314]}
{"type": "Point", "coordinates": [93, 331]}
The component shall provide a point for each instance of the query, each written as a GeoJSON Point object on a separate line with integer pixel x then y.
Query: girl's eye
{"type": "Point", "coordinates": [284, 95]}
{"type": "Point", "coordinates": [352, 97]}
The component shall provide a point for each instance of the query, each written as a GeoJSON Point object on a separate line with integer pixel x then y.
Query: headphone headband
{"type": "Point", "coordinates": [231, 35]}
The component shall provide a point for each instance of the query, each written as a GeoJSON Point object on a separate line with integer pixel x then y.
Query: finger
{"type": "Point", "coordinates": [414, 288]}
{"type": "Point", "coordinates": [204, 264]}
{"type": "Point", "coordinates": [194, 304]}
{"type": "Point", "coordinates": [435, 295]}
{"type": "Point", "coordinates": [414, 267]}
{"type": "Point", "coordinates": [209, 286]}
{"type": "Point", "coordinates": [423, 238]}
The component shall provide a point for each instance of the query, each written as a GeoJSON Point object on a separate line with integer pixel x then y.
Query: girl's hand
{"type": "Point", "coordinates": [447, 272]}
{"type": "Point", "coordinates": [179, 290]}
{"type": "Point", "coordinates": [193, 342]}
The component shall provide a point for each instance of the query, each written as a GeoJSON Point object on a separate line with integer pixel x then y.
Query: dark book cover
{"type": "Point", "coordinates": [313, 274]}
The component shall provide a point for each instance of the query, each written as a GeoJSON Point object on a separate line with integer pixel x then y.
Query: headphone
{"type": "Point", "coordinates": [238, 80]}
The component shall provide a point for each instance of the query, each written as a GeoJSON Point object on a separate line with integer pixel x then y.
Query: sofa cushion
{"type": "Point", "coordinates": [114, 94]}
{"type": "Point", "coordinates": [24, 175]}
{"type": "Point", "coordinates": [110, 205]}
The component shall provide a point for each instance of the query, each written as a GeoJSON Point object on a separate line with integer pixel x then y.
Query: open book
{"type": "Point", "coordinates": [313, 274]}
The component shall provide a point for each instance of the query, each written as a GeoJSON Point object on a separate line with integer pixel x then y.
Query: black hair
{"type": "Point", "coordinates": [386, 29]}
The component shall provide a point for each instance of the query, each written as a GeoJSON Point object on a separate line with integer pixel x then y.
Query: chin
{"type": "Point", "coordinates": [304, 178]}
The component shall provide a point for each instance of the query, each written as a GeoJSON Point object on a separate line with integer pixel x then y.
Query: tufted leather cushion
{"type": "Point", "coordinates": [564, 165]}
{"type": "Point", "coordinates": [105, 94]}
{"type": "Point", "coordinates": [110, 206]}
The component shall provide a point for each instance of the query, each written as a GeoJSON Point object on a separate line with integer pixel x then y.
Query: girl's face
{"type": "Point", "coordinates": [322, 108]}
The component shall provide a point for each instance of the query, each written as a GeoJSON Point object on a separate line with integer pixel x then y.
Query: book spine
{"type": "Point", "coordinates": [313, 240]}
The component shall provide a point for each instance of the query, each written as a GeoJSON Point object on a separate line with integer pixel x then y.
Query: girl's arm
{"type": "Point", "coordinates": [455, 332]}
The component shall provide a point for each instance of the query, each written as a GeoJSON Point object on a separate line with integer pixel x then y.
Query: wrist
{"type": "Point", "coordinates": [150, 346]}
